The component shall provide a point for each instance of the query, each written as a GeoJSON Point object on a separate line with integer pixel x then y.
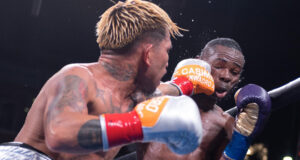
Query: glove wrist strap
{"type": "Point", "coordinates": [237, 147]}
{"type": "Point", "coordinates": [184, 85]}
{"type": "Point", "coordinates": [120, 129]}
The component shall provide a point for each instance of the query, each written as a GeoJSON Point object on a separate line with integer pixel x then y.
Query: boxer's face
{"type": "Point", "coordinates": [227, 64]}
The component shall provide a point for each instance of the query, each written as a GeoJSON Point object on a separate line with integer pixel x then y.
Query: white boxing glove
{"type": "Point", "coordinates": [174, 121]}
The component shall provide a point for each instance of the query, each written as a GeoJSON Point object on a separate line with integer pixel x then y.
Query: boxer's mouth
{"type": "Point", "coordinates": [221, 92]}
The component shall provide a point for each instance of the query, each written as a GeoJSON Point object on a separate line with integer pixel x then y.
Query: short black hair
{"type": "Point", "coordinates": [227, 42]}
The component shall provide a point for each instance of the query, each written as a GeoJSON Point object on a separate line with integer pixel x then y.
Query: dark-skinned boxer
{"type": "Point", "coordinates": [226, 60]}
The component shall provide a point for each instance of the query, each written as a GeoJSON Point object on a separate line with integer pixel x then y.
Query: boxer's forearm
{"type": "Point", "coordinates": [168, 89]}
{"type": "Point", "coordinates": [80, 135]}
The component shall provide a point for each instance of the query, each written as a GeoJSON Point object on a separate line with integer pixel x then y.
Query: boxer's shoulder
{"type": "Point", "coordinates": [79, 69]}
{"type": "Point", "coordinates": [72, 78]}
{"type": "Point", "coordinates": [75, 74]}
{"type": "Point", "coordinates": [226, 118]}
{"type": "Point", "coordinates": [70, 72]}
{"type": "Point", "coordinates": [218, 108]}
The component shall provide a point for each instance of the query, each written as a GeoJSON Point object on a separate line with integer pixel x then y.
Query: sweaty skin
{"type": "Point", "coordinates": [226, 64]}
{"type": "Point", "coordinates": [68, 101]}
{"type": "Point", "coordinates": [63, 121]}
{"type": "Point", "coordinates": [226, 67]}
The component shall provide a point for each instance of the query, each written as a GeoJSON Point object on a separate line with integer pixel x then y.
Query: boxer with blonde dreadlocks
{"type": "Point", "coordinates": [87, 110]}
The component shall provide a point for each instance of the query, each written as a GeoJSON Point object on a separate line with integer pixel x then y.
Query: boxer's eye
{"type": "Point", "coordinates": [234, 73]}
{"type": "Point", "coordinates": [218, 66]}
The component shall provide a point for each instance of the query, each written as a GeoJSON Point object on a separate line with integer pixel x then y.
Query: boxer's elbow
{"type": "Point", "coordinates": [57, 140]}
{"type": "Point", "coordinates": [53, 140]}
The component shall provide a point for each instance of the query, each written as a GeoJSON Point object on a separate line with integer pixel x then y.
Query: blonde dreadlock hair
{"type": "Point", "coordinates": [122, 23]}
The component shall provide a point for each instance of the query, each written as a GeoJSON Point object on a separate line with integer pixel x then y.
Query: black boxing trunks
{"type": "Point", "coordinates": [20, 151]}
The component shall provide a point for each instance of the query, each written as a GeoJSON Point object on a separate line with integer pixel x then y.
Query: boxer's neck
{"type": "Point", "coordinates": [121, 72]}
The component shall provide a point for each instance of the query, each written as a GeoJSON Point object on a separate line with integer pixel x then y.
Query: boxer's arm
{"type": "Point", "coordinates": [69, 128]}
{"type": "Point", "coordinates": [191, 76]}
{"type": "Point", "coordinates": [218, 128]}
{"type": "Point", "coordinates": [168, 89]}
{"type": "Point", "coordinates": [254, 105]}
{"type": "Point", "coordinates": [67, 125]}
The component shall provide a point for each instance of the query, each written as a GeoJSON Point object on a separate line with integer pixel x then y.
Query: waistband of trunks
{"type": "Point", "coordinates": [23, 145]}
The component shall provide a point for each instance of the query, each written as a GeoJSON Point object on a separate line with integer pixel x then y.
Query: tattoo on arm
{"type": "Point", "coordinates": [72, 93]}
{"type": "Point", "coordinates": [100, 93]}
{"type": "Point", "coordinates": [90, 136]}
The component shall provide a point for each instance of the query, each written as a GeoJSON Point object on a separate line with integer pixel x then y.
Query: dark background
{"type": "Point", "coordinates": [38, 37]}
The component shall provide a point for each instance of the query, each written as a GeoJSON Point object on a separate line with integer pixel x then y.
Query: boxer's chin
{"type": "Point", "coordinates": [221, 95]}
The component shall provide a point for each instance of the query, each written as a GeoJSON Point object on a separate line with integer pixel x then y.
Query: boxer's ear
{"type": "Point", "coordinates": [147, 51]}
